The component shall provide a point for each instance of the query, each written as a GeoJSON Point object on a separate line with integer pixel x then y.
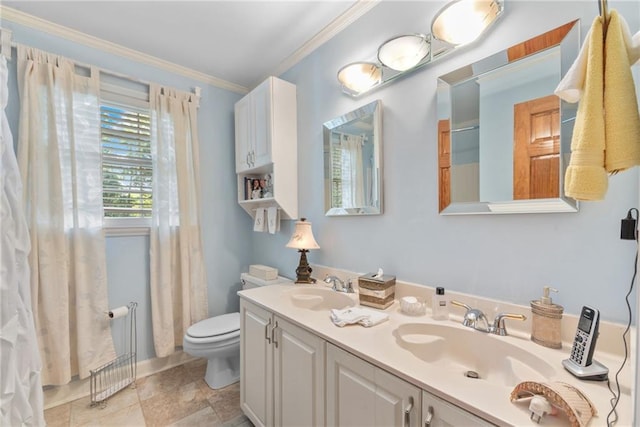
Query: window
{"type": "Point", "coordinates": [127, 172]}
{"type": "Point", "coordinates": [126, 161]}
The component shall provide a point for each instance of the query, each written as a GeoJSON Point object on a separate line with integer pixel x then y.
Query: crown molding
{"type": "Point", "coordinates": [340, 23]}
{"type": "Point", "coordinates": [18, 17]}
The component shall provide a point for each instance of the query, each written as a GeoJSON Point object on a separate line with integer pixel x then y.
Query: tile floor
{"type": "Point", "coordinates": [175, 397]}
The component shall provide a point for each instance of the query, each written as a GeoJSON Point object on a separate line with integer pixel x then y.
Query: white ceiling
{"type": "Point", "coordinates": [241, 42]}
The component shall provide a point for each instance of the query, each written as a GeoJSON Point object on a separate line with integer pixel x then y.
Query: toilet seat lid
{"type": "Point", "coordinates": [217, 325]}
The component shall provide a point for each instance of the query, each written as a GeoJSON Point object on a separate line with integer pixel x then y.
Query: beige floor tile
{"type": "Point", "coordinates": [131, 416]}
{"type": "Point", "coordinates": [241, 421]}
{"type": "Point", "coordinates": [164, 382]}
{"type": "Point", "coordinates": [59, 416]}
{"type": "Point", "coordinates": [169, 407]}
{"type": "Point", "coordinates": [82, 413]}
{"type": "Point", "coordinates": [204, 417]}
{"type": "Point", "coordinates": [226, 402]}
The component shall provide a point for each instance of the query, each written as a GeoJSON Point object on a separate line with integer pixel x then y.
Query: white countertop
{"type": "Point", "coordinates": [490, 401]}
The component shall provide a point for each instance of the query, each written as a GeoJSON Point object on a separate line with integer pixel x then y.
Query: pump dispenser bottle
{"type": "Point", "coordinates": [546, 320]}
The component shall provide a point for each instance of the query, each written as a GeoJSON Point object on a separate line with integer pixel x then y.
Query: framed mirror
{"type": "Point", "coordinates": [504, 138]}
{"type": "Point", "coordinates": [353, 162]}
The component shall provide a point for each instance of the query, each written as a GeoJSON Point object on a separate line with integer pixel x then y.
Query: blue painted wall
{"type": "Point", "coordinates": [507, 257]}
{"type": "Point", "coordinates": [226, 228]}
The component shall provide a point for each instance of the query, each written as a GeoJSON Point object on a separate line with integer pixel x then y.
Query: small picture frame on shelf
{"type": "Point", "coordinates": [256, 189]}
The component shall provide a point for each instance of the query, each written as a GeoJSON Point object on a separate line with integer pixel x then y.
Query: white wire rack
{"type": "Point", "coordinates": [119, 373]}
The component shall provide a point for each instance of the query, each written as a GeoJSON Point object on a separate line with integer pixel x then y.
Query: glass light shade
{"type": "Point", "coordinates": [302, 237]}
{"type": "Point", "coordinates": [463, 21]}
{"type": "Point", "coordinates": [404, 52]}
{"type": "Point", "coordinates": [360, 76]}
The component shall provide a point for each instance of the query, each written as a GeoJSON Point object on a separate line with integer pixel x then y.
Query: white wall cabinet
{"type": "Point", "coordinates": [359, 394]}
{"type": "Point", "coordinates": [266, 147]}
{"type": "Point", "coordinates": [282, 370]}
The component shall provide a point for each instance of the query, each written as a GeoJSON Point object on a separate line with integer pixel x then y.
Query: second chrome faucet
{"type": "Point", "coordinates": [476, 319]}
{"type": "Point", "coordinates": [339, 285]}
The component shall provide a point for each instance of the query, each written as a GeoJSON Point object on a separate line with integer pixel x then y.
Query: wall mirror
{"type": "Point", "coordinates": [353, 162]}
{"type": "Point", "coordinates": [504, 138]}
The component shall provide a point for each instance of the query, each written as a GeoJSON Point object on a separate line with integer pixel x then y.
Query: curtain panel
{"type": "Point", "coordinates": [59, 154]}
{"type": "Point", "coordinates": [178, 279]}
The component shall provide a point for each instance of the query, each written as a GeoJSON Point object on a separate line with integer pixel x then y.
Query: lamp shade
{"type": "Point", "coordinates": [360, 76]}
{"type": "Point", "coordinates": [463, 21]}
{"type": "Point", "coordinates": [404, 52]}
{"type": "Point", "coordinates": [302, 237]}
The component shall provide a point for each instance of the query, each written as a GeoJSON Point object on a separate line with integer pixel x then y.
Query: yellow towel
{"type": "Point", "coordinates": [622, 122]}
{"type": "Point", "coordinates": [586, 178]}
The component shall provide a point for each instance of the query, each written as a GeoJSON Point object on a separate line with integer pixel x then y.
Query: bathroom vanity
{"type": "Point", "coordinates": [298, 368]}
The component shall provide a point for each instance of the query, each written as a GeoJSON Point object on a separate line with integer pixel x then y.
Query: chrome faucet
{"type": "Point", "coordinates": [339, 285]}
{"type": "Point", "coordinates": [472, 317]}
{"type": "Point", "coordinates": [498, 326]}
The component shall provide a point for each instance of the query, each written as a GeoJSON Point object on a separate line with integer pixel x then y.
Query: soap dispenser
{"type": "Point", "coordinates": [546, 320]}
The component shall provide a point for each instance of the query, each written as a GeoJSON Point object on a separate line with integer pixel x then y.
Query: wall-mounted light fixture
{"type": "Point", "coordinates": [457, 24]}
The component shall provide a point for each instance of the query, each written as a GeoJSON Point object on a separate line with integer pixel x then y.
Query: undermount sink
{"type": "Point", "coordinates": [320, 299]}
{"type": "Point", "coordinates": [477, 355]}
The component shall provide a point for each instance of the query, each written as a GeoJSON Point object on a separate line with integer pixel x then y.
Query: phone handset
{"type": "Point", "coordinates": [580, 362]}
{"type": "Point", "coordinates": [586, 335]}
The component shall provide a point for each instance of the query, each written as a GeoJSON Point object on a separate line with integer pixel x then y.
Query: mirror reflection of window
{"type": "Point", "coordinates": [353, 164]}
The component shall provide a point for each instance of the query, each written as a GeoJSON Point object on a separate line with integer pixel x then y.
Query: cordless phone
{"type": "Point", "coordinates": [586, 335]}
{"type": "Point", "coordinates": [580, 362]}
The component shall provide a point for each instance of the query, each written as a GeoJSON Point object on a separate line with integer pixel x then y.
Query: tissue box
{"type": "Point", "coordinates": [263, 272]}
{"type": "Point", "coordinates": [377, 292]}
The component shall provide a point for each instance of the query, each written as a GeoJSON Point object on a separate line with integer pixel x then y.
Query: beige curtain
{"type": "Point", "coordinates": [178, 280]}
{"type": "Point", "coordinates": [59, 156]}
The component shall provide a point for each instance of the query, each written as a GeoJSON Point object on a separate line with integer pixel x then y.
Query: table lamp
{"type": "Point", "coordinates": [302, 240]}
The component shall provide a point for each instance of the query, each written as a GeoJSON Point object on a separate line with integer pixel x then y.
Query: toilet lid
{"type": "Point", "coordinates": [218, 325]}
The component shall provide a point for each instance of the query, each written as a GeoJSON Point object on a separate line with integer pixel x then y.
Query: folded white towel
{"type": "Point", "coordinates": [258, 223]}
{"type": "Point", "coordinates": [273, 219]}
{"type": "Point", "coordinates": [571, 86]}
{"type": "Point", "coordinates": [363, 316]}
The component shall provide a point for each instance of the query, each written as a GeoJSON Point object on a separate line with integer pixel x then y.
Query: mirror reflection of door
{"type": "Point", "coordinates": [536, 161]}
{"type": "Point", "coordinates": [444, 164]}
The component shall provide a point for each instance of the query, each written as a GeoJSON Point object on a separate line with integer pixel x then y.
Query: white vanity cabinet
{"type": "Point", "coordinates": [282, 370]}
{"type": "Point", "coordinates": [361, 394]}
{"type": "Point", "coordinates": [439, 413]}
{"type": "Point", "coordinates": [266, 147]}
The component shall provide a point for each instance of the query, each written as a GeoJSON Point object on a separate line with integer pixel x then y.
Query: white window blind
{"type": "Point", "coordinates": [126, 161]}
{"type": "Point", "coordinates": [126, 154]}
{"type": "Point", "coordinates": [336, 173]}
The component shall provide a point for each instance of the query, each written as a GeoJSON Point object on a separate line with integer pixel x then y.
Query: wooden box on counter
{"type": "Point", "coordinates": [377, 292]}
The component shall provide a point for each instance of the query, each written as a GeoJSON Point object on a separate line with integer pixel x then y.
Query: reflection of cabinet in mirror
{"type": "Point", "coordinates": [353, 162]}
{"type": "Point", "coordinates": [266, 148]}
{"type": "Point", "coordinates": [503, 137]}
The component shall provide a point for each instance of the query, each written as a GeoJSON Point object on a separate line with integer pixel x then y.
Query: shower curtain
{"type": "Point", "coordinates": [21, 400]}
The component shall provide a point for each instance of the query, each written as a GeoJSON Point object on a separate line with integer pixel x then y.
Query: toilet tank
{"type": "Point", "coordinates": [248, 281]}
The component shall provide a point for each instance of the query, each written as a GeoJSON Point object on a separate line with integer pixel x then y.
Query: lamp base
{"type": "Point", "coordinates": [303, 272]}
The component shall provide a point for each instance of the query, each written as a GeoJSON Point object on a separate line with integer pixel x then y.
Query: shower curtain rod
{"type": "Point", "coordinates": [8, 44]}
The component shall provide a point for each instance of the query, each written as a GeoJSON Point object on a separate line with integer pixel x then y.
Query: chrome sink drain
{"type": "Point", "coordinates": [472, 374]}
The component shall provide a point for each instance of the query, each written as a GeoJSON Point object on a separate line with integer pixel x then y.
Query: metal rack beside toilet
{"type": "Point", "coordinates": [119, 373]}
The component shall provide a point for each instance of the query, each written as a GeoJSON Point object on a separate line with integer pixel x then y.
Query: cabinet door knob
{"type": "Point", "coordinates": [273, 334]}
{"type": "Point", "coordinates": [429, 417]}
{"type": "Point", "coordinates": [407, 413]}
{"type": "Point", "coordinates": [266, 332]}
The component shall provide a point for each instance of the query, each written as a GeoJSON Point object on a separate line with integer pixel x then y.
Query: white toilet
{"type": "Point", "coordinates": [218, 340]}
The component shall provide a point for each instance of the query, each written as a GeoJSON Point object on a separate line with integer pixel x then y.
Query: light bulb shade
{"type": "Point", "coordinates": [302, 237]}
{"type": "Point", "coordinates": [404, 52]}
{"type": "Point", "coordinates": [360, 76]}
{"type": "Point", "coordinates": [463, 21]}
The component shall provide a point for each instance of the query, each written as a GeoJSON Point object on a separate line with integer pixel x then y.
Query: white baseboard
{"type": "Point", "coordinates": [58, 395]}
